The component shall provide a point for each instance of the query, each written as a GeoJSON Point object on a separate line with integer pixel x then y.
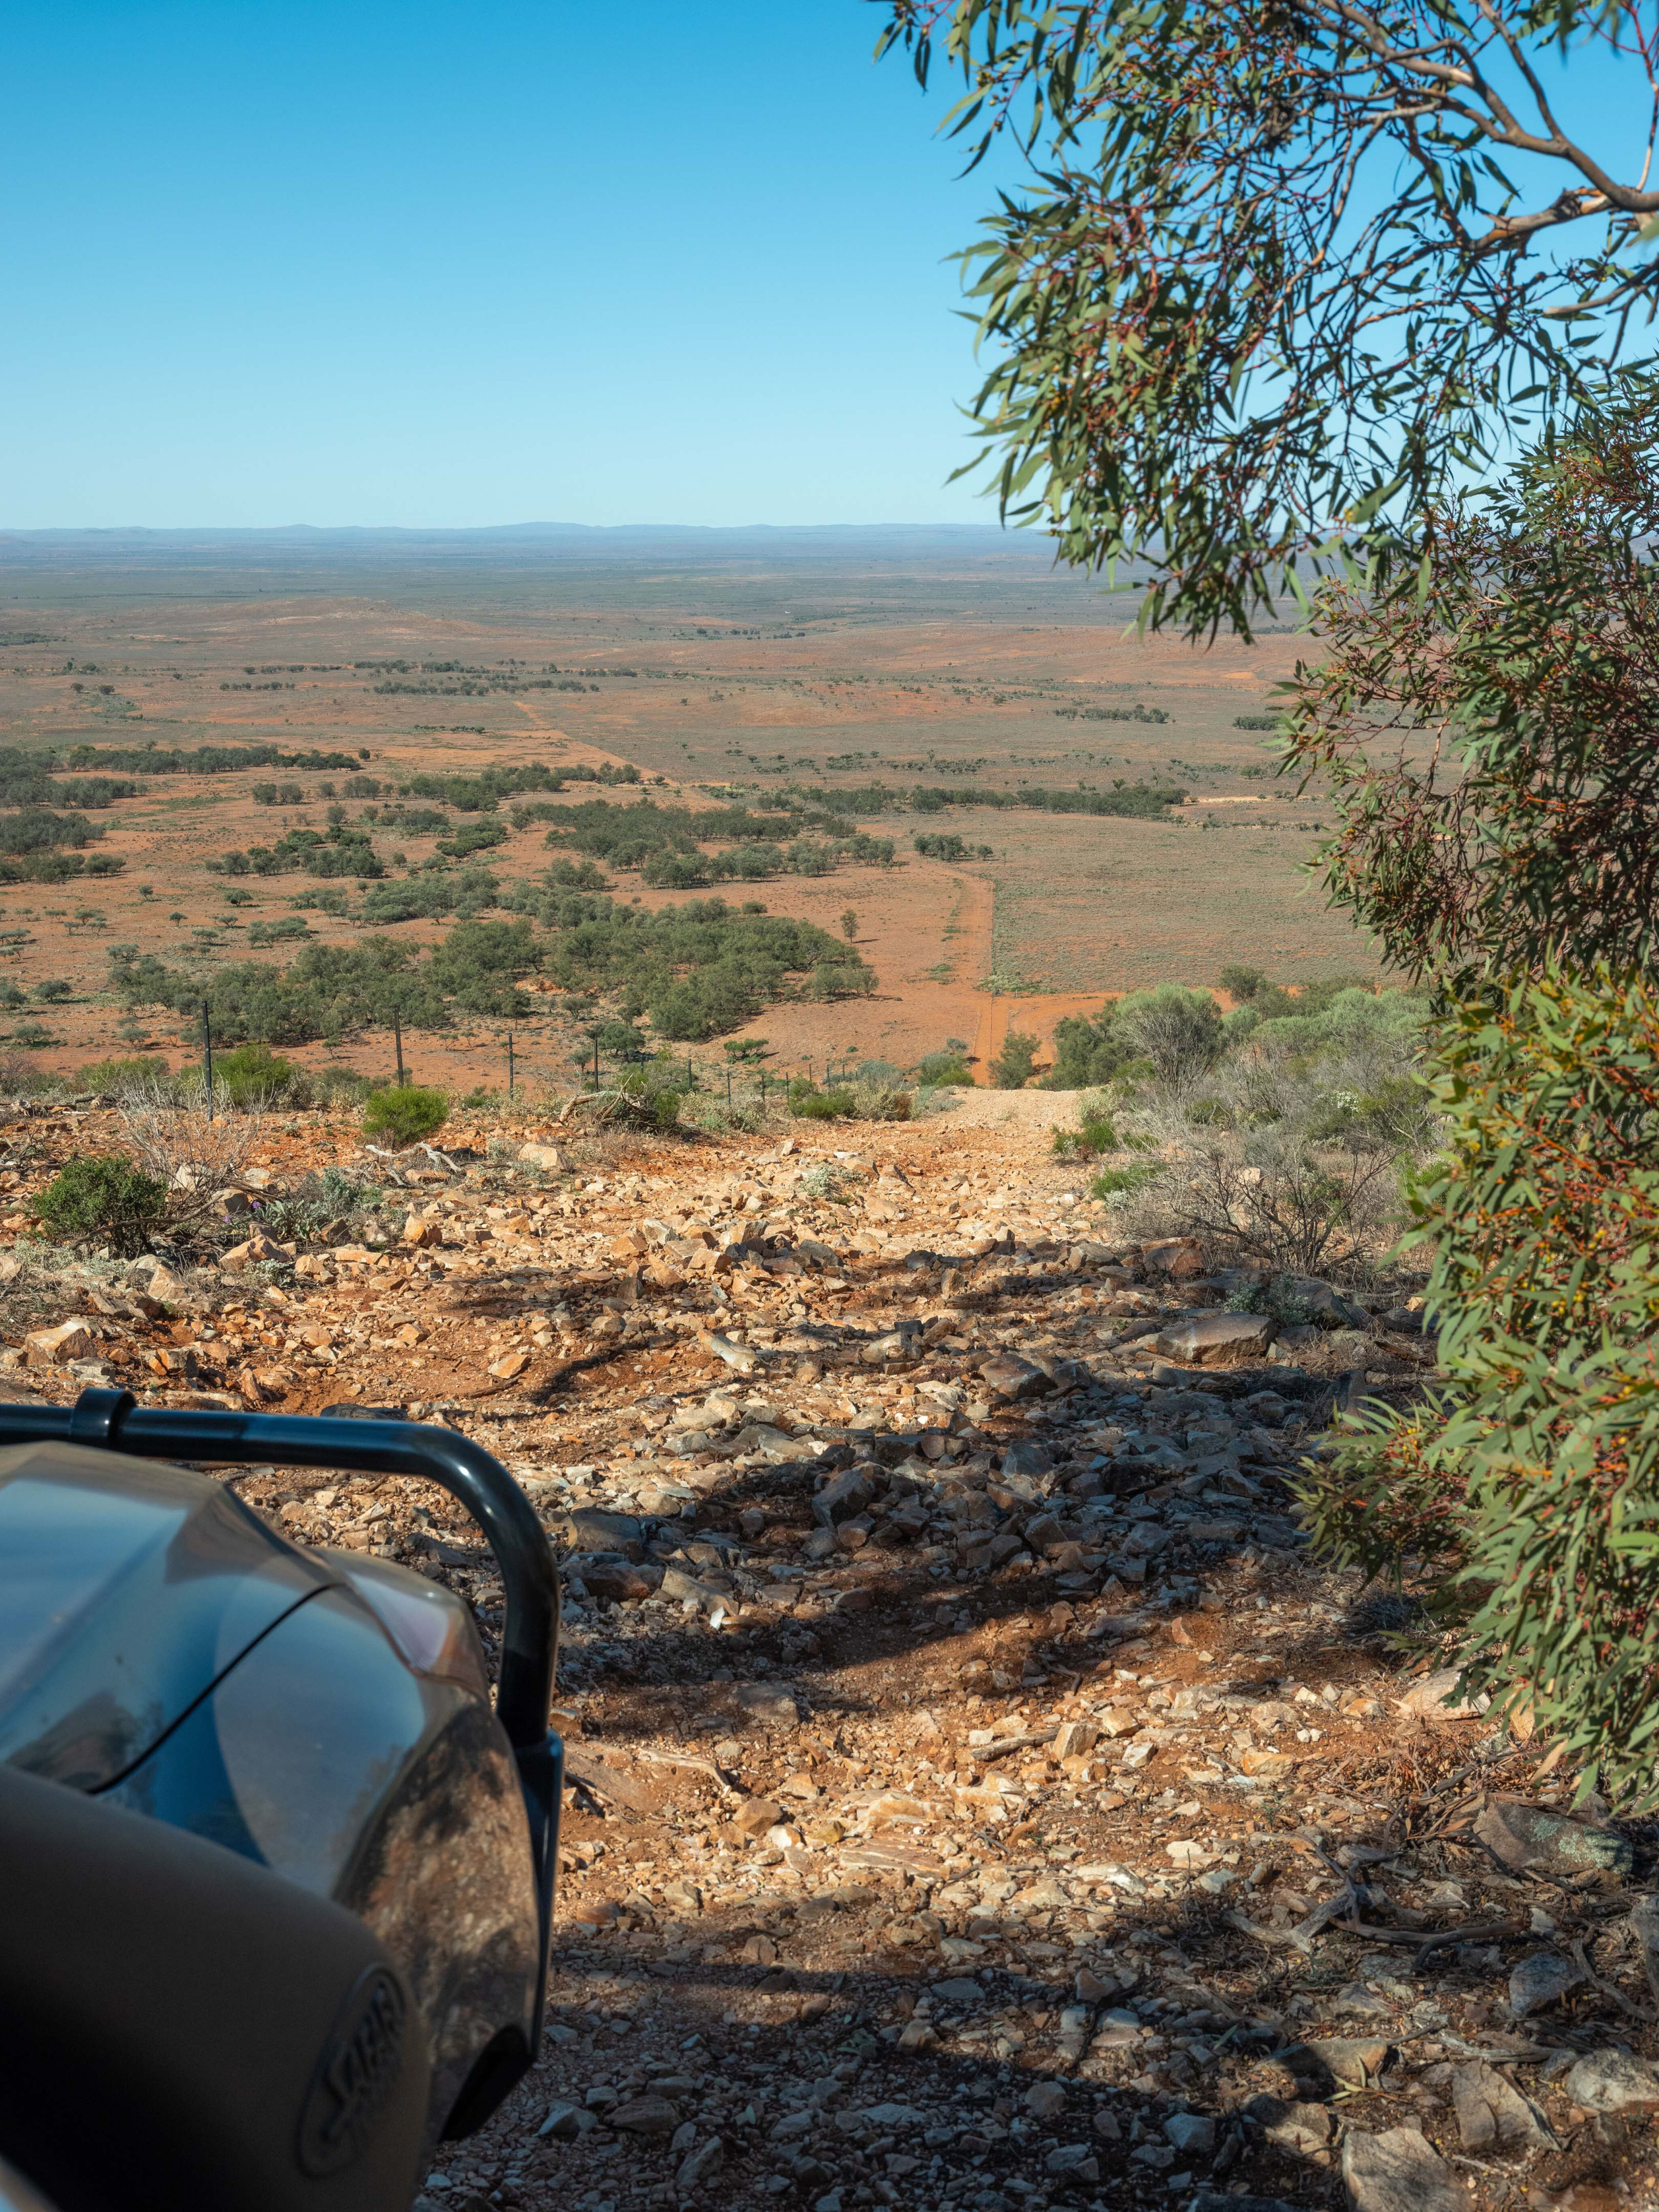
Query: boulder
{"type": "Point", "coordinates": [1179, 1257]}
{"type": "Point", "coordinates": [547, 1157]}
{"type": "Point", "coordinates": [698, 2162]}
{"type": "Point", "coordinates": [1216, 1340]}
{"type": "Point", "coordinates": [1491, 2113]}
{"type": "Point", "coordinates": [1027, 1460]}
{"type": "Point", "coordinates": [1612, 2082]}
{"type": "Point", "coordinates": [756, 1815]}
{"type": "Point", "coordinates": [1192, 2134]}
{"type": "Point", "coordinates": [647, 2116]}
{"type": "Point", "coordinates": [1520, 1835]}
{"type": "Point", "coordinates": [1010, 1375]}
{"type": "Point", "coordinates": [772, 1707]}
{"type": "Point", "coordinates": [1543, 1979]}
{"type": "Point", "coordinates": [1399, 2171]}
{"type": "Point", "coordinates": [259, 1250]}
{"type": "Point", "coordinates": [841, 1497]}
{"type": "Point", "coordinates": [1435, 1698]}
{"type": "Point", "coordinates": [51, 1347]}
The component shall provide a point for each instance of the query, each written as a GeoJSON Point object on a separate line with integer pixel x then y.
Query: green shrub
{"type": "Point", "coordinates": [881, 1101]}
{"type": "Point", "coordinates": [254, 1075]}
{"type": "Point", "coordinates": [319, 1200]}
{"type": "Point", "coordinates": [1520, 1500]}
{"type": "Point", "coordinates": [1089, 1051]}
{"type": "Point", "coordinates": [654, 1098]}
{"type": "Point", "coordinates": [104, 1199]}
{"type": "Point", "coordinates": [1015, 1064]}
{"type": "Point", "coordinates": [1177, 1029]}
{"type": "Point", "coordinates": [1086, 1143]}
{"type": "Point", "coordinates": [942, 1069]}
{"type": "Point", "coordinates": [1279, 1296]}
{"type": "Point", "coordinates": [1114, 1183]}
{"type": "Point", "coordinates": [473, 837]}
{"type": "Point", "coordinates": [405, 1113]}
{"type": "Point", "coordinates": [1241, 983]}
{"type": "Point", "coordinates": [134, 1072]}
{"type": "Point", "coordinates": [344, 1086]}
{"type": "Point", "coordinates": [808, 1104]}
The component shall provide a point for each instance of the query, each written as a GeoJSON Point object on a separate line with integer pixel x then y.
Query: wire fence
{"type": "Point", "coordinates": [740, 1082]}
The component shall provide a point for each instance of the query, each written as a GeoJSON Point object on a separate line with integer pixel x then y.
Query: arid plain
{"type": "Point", "coordinates": [724, 667]}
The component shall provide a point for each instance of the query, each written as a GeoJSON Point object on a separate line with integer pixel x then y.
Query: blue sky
{"type": "Point", "coordinates": [343, 261]}
{"type": "Point", "coordinates": [350, 263]}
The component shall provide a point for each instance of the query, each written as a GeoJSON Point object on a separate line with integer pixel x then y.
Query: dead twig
{"type": "Point", "coordinates": [1628, 2006]}
{"type": "Point", "coordinates": [685, 1758]}
{"type": "Point", "coordinates": [1499, 1932]}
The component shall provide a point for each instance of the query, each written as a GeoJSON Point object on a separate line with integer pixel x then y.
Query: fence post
{"type": "Point", "coordinates": [207, 1054]}
{"type": "Point", "coordinates": [729, 1089]}
{"type": "Point", "coordinates": [510, 1068]}
{"type": "Point", "coordinates": [397, 1047]}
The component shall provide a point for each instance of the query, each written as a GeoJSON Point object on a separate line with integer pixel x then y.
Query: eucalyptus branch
{"type": "Point", "coordinates": [1188, 365]}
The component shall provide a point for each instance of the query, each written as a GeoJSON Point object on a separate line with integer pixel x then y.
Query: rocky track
{"type": "Point", "coordinates": [979, 1799]}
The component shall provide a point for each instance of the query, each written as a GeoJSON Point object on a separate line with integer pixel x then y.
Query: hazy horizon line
{"type": "Point", "coordinates": [488, 528]}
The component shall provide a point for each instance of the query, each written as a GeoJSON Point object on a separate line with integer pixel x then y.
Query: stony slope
{"type": "Point", "coordinates": [982, 1800]}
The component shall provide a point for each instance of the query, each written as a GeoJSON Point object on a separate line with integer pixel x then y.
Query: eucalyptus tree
{"type": "Point", "coordinates": [1283, 272]}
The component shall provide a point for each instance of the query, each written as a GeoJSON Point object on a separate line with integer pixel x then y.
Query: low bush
{"type": "Point", "coordinates": [254, 1075]}
{"type": "Point", "coordinates": [1087, 1143]}
{"type": "Point", "coordinates": [193, 1148]}
{"type": "Point", "coordinates": [808, 1104]}
{"type": "Point", "coordinates": [1015, 1064]}
{"type": "Point", "coordinates": [36, 829]}
{"type": "Point", "coordinates": [117, 1076]}
{"type": "Point", "coordinates": [940, 1070]}
{"type": "Point", "coordinates": [882, 1101]}
{"type": "Point", "coordinates": [473, 837]}
{"type": "Point", "coordinates": [335, 1195]}
{"type": "Point", "coordinates": [1120, 1182]}
{"type": "Point", "coordinates": [651, 1093]}
{"type": "Point", "coordinates": [405, 1114]}
{"type": "Point", "coordinates": [103, 1199]}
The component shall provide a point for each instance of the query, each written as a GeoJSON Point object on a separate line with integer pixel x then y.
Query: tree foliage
{"type": "Point", "coordinates": [1524, 1501]}
{"type": "Point", "coordinates": [1490, 747]}
{"type": "Point", "coordinates": [698, 969]}
{"type": "Point", "coordinates": [1272, 284]}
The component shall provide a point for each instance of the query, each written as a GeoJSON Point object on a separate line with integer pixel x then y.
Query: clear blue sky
{"type": "Point", "coordinates": [344, 261]}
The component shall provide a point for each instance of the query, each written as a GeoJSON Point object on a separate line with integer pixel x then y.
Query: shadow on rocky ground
{"type": "Point", "coordinates": [982, 1800]}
